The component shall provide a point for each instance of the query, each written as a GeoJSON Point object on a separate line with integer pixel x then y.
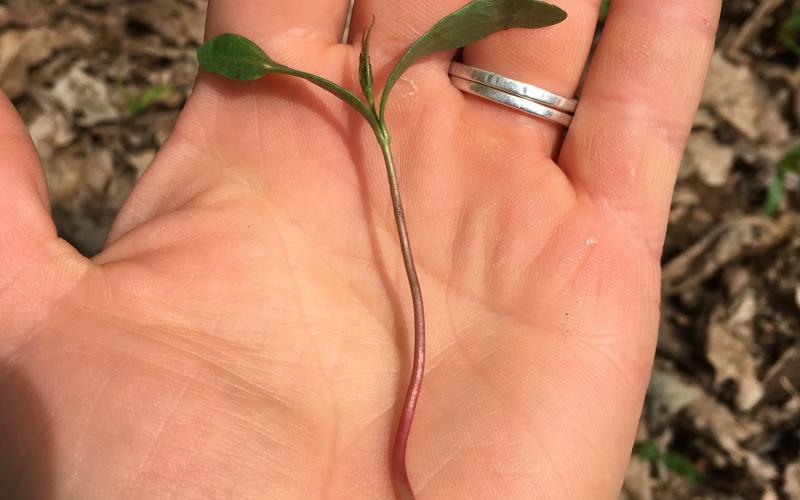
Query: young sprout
{"type": "Point", "coordinates": [776, 191]}
{"type": "Point", "coordinates": [235, 57]}
{"type": "Point", "coordinates": [153, 94]}
{"type": "Point", "coordinates": [788, 33]}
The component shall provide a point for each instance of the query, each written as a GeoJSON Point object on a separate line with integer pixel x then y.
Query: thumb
{"type": "Point", "coordinates": [32, 257]}
{"type": "Point", "coordinates": [24, 204]}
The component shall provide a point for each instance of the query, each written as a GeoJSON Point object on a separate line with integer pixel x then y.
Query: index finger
{"type": "Point", "coordinates": [302, 20]}
{"type": "Point", "coordinates": [643, 87]}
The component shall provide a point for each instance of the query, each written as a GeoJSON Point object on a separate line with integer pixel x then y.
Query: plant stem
{"type": "Point", "coordinates": [398, 462]}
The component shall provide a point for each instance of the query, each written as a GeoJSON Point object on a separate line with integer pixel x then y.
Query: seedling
{"type": "Point", "coordinates": [789, 31]}
{"type": "Point", "coordinates": [677, 463]}
{"type": "Point", "coordinates": [235, 57]}
{"type": "Point", "coordinates": [150, 96]}
{"type": "Point", "coordinates": [776, 192]}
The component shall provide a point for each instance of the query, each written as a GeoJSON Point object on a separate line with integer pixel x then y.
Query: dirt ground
{"type": "Point", "coordinates": [100, 84]}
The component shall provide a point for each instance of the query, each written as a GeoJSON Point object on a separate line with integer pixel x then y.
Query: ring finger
{"type": "Point", "coordinates": [552, 58]}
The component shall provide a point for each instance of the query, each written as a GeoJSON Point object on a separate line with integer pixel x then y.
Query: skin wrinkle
{"type": "Point", "coordinates": [530, 270]}
{"type": "Point", "coordinates": [584, 261]}
{"type": "Point", "coordinates": [430, 375]}
{"type": "Point", "coordinates": [363, 298]}
{"type": "Point", "coordinates": [632, 113]}
{"type": "Point", "coordinates": [679, 14]}
{"type": "Point", "coordinates": [155, 441]}
{"type": "Point", "coordinates": [244, 386]}
{"type": "Point", "coordinates": [248, 387]}
{"type": "Point", "coordinates": [451, 460]}
{"type": "Point", "coordinates": [366, 427]}
{"type": "Point", "coordinates": [428, 482]}
{"type": "Point", "coordinates": [627, 224]}
{"type": "Point", "coordinates": [305, 329]}
{"type": "Point", "coordinates": [328, 480]}
{"type": "Point", "coordinates": [185, 334]}
{"type": "Point", "coordinates": [79, 444]}
{"type": "Point", "coordinates": [454, 247]}
{"type": "Point", "coordinates": [258, 427]}
{"type": "Point", "coordinates": [29, 335]}
{"type": "Point", "coordinates": [370, 306]}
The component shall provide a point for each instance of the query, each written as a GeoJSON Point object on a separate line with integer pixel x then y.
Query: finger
{"type": "Point", "coordinates": [31, 272]}
{"type": "Point", "coordinates": [643, 87]}
{"type": "Point", "coordinates": [24, 204]}
{"type": "Point", "coordinates": [551, 58]}
{"type": "Point", "coordinates": [303, 21]}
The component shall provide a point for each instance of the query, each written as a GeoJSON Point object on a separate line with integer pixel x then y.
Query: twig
{"type": "Point", "coordinates": [751, 29]}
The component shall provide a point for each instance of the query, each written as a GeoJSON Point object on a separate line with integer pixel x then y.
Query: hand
{"type": "Point", "coordinates": [246, 333]}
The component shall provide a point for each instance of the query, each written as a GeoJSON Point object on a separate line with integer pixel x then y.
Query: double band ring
{"type": "Point", "coordinates": [513, 93]}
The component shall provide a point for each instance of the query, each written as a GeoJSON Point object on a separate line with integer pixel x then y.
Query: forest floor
{"type": "Point", "coordinates": [100, 84]}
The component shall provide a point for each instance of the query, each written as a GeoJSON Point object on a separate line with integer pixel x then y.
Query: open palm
{"type": "Point", "coordinates": [246, 333]}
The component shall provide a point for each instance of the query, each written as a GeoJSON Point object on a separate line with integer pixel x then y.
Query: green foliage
{"type": "Point", "coordinates": [149, 97]}
{"type": "Point", "coordinates": [776, 192]}
{"type": "Point", "coordinates": [476, 20]}
{"type": "Point", "coordinates": [788, 33]}
{"type": "Point", "coordinates": [237, 58]}
{"type": "Point", "coordinates": [675, 462]}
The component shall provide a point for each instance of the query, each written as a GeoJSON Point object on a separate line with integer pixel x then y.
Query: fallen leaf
{"type": "Point", "coordinates": [667, 395]}
{"type": "Point", "coordinates": [729, 241]}
{"type": "Point", "coordinates": [783, 379]}
{"type": "Point", "coordinates": [716, 420]}
{"type": "Point", "coordinates": [19, 51]}
{"type": "Point", "coordinates": [710, 160]}
{"type": "Point", "coordinates": [733, 92]}
{"type": "Point", "coordinates": [172, 20]}
{"type": "Point", "coordinates": [86, 98]}
{"type": "Point", "coordinates": [729, 342]}
{"type": "Point", "coordinates": [791, 480]}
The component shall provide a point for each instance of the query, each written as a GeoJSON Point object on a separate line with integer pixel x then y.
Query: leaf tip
{"type": "Point", "coordinates": [559, 14]}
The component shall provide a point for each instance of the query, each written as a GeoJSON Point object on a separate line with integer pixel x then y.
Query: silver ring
{"type": "Point", "coordinates": [347, 21]}
{"type": "Point", "coordinates": [514, 87]}
{"type": "Point", "coordinates": [512, 101]}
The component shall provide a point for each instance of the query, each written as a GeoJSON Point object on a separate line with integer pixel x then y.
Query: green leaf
{"type": "Point", "coordinates": [791, 162]}
{"type": "Point", "coordinates": [789, 32]}
{"type": "Point", "coordinates": [647, 451]}
{"type": "Point", "coordinates": [149, 97]}
{"type": "Point", "coordinates": [775, 194]}
{"type": "Point", "coordinates": [476, 20]}
{"type": "Point", "coordinates": [237, 58]}
{"type": "Point", "coordinates": [365, 68]}
{"type": "Point", "coordinates": [680, 464]}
